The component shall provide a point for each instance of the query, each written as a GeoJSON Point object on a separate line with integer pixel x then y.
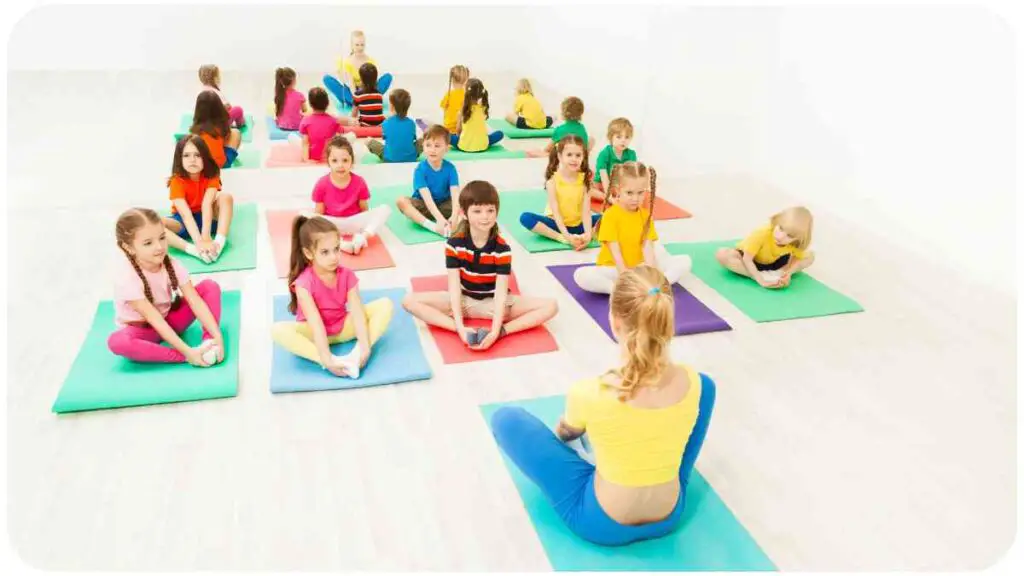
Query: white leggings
{"type": "Point", "coordinates": [366, 222]}
{"type": "Point", "coordinates": [601, 279]}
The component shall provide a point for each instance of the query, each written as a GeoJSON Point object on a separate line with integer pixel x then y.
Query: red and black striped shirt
{"type": "Point", "coordinates": [371, 108]}
{"type": "Point", "coordinates": [478, 267]}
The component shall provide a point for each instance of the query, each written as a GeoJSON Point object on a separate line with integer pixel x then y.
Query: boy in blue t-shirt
{"type": "Point", "coordinates": [435, 186]}
{"type": "Point", "coordinates": [399, 132]}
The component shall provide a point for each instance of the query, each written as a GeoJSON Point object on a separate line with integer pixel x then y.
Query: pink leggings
{"type": "Point", "coordinates": [142, 343]}
{"type": "Point", "coordinates": [237, 116]}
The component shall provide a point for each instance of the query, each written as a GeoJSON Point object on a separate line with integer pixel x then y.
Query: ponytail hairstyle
{"type": "Point", "coordinates": [283, 80]}
{"type": "Point", "coordinates": [306, 232]}
{"type": "Point", "coordinates": [633, 170]}
{"type": "Point", "coordinates": [368, 78]}
{"type": "Point", "coordinates": [556, 151]}
{"type": "Point", "coordinates": [523, 86]}
{"type": "Point", "coordinates": [458, 73]}
{"type": "Point", "coordinates": [798, 223]}
{"type": "Point", "coordinates": [210, 116]}
{"type": "Point", "coordinates": [475, 193]}
{"type": "Point", "coordinates": [642, 307]}
{"type": "Point", "coordinates": [127, 225]}
{"type": "Point", "coordinates": [475, 94]}
{"type": "Point", "coordinates": [209, 75]}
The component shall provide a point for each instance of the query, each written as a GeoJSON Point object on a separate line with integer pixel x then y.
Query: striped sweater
{"type": "Point", "coordinates": [478, 267]}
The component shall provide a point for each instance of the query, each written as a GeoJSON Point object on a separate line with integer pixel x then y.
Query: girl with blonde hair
{"type": "Point", "coordinates": [774, 252]}
{"type": "Point", "coordinates": [645, 420]}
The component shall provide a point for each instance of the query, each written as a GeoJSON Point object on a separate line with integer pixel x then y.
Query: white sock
{"type": "Point", "coordinates": [210, 355]}
{"type": "Point", "coordinates": [221, 241]}
{"type": "Point", "coordinates": [347, 246]}
{"type": "Point", "coordinates": [191, 250]}
{"type": "Point", "coordinates": [359, 241]}
{"type": "Point", "coordinates": [350, 361]}
{"type": "Point", "coordinates": [429, 225]}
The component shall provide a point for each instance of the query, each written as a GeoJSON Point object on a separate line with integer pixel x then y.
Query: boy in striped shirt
{"type": "Point", "coordinates": [479, 264]}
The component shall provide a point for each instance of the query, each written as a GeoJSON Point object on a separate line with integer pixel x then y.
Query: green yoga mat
{"type": "Point", "coordinates": [710, 538]}
{"type": "Point", "coordinates": [494, 152]}
{"type": "Point", "coordinates": [805, 297]}
{"type": "Point", "coordinates": [406, 230]}
{"type": "Point", "coordinates": [513, 204]}
{"type": "Point", "coordinates": [98, 379]}
{"type": "Point", "coordinates": [240, 253]}
{"type": "Point", "coordinates": [186, 124]}
{"type": "Point", "coordinates": [248, 158]}
{"type": "Point", "coordinates": [513, 131]}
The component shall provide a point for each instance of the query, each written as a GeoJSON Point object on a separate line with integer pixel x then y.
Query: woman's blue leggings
{"type": "Point", "coordinates": [344, 94]}
{"type": "Point", "coordinates": [567, 480]}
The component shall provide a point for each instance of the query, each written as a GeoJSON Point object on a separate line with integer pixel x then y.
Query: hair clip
{"type": "Point", "coordinates": [653, 291]}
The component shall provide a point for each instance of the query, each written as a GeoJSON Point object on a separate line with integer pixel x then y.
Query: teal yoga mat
{"type": "Point", "coordinates": [98, 379]}
{"type": "Point", "coordinates": [186, 123]}
{"type": "Point", "coordinates": [512, 131]}
{"type": "Point", "coordinates": [240, 253]}
{"type": "Point", "coordinates": [514, 203]}
{"type": "Point", "coordinates": [710, 538]}
{"type": "Point", "coordinates": [805, 297]}
{"type": "Point", "coordinates": [493, 153]}
{"type": "Point", "coordinates": [406, 230]}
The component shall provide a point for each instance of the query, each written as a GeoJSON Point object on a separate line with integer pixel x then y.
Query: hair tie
{"type": "Point", "coordinates": [653, 291]}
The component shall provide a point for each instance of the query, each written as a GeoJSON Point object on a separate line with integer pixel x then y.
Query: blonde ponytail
{"type": "Point", "coordinates": [642, 306]}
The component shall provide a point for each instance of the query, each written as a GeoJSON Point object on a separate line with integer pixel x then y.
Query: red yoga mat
{"type": "Point", "coordinates": [364, 131]}
{"type": "Point", "coordinates": [279, 225]}
{"type": "Point", "coordinates": [453, 351]}
{"type": "Point", "coordinates": [663, 209]}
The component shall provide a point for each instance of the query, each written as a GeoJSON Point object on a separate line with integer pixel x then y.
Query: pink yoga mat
{"type": "Point", "coordinates": [279, 225]}
{"type": "Point", "coordinates": [691, 315]}
{"type": "Point", "coordinates": [288, 156]}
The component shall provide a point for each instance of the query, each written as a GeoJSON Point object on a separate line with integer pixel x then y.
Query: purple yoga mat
{"type": "Point", "coordinates": [691, 315]}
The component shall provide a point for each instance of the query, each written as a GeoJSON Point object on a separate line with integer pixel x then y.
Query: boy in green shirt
{"type": "Point", "coordinates": [620, 134]}
{"type": "Point", "coordinates": [572, 113]}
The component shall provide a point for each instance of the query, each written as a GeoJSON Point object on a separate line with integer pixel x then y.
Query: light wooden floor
{"type": "Point", "coordinates": [881, 440]}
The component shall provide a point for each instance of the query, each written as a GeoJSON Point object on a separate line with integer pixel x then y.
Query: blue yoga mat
{"type": "Point", "coordinates": [275, 133]}
{"type": "Point", "coordinates": [710, 538]}
{"type": "Point", "coordinates": [397, 356]}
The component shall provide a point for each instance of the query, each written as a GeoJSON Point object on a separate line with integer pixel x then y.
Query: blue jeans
{"type": "Point", "coordinates": [492, 139]}
{"type": "Point", "coordinates": [529, 220]}
{"type": "Point", "coordinates": [344, 94]}
{"type": "Point", "coordinates": [230, 155]}
{"type": "Point", "coordinates": [198, 217]}
{"type": "Point", "coordinates": [567, 480]}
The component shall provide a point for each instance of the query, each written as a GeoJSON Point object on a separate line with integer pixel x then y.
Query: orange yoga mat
{"type": "Point", "coordinates": [453, 351]}
{"type": "Point", "coordinates": [279, 225]}
{"type": "Point", "coordinates": [663, 209]}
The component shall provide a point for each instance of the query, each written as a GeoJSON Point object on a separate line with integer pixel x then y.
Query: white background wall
{"type": "Point", "coordinates": [898, 118]}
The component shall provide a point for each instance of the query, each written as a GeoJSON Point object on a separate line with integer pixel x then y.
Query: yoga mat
{"type": "Point", "coordinates": [279, 226]}
{"type": "Point", "coordinates": [805, 297]}
{"type": "Point", "coordinates": [98, 379]}
{"type": "Point", "coordinates": [515, 203]}
{"type": "Point", "coordinates": [186, 124]}
{"type": "Point", "coordinates": [289, 156]}
{"type": "Point", "coordinates": [691, 315]}
{"type": "Point", "coordinates": [248, 158]}
{"type": "Point", "coordinates": [663, 209]}
{"type": "Point", "coordinates": [396, 357]}
{"type": "Point", "coordinates": [709, 538]}
{"type": "Point", "coordinates": [405, 229]}
{"type": "Point", "coordinates": [240, 253]}
{"type": "Point", "coordinates": [364, 131]}
{"type": "Point", "coordinates": [493, 153]}
{"type": "Point", "coordinates": [512, 131]}
{"type": "Point", "coordinates": [454, 351]}
{"type": "Point", "coordinates": [276, 133]}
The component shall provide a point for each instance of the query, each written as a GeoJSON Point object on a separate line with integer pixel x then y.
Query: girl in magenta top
{"type": "Point", "coordinates": [343, 198]}
{"type": "Point", "coordinates": [319, 127]}
{"type": "Point", "coordinates": [154, 300]}
{"type": "Point", "coordinates": [326, 302]}
{"type": "Point", "coordinates": [289, 103]}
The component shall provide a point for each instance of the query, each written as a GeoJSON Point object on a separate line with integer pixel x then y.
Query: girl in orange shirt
{"type": "Point", "coordinates": [200, 211]}
{"type": "Point", "coordinates": [210, 121]}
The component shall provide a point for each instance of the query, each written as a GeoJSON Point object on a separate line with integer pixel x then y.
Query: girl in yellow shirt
{"type": "Point", "coordinates": [348, 72]}
{"type": "Point", "coordinates": [645, 420]}
{"type": "Point", "coordinates": [626, 232]}
{"type": "Point", "coordinates": [528, 113]}
{"type": "Point", "coordinates": [773, 253]}
{"type": "Point", "coordinates": [454, 97]}
{"type": "Point", "coordinates": [472, 133]}
{"type": "Point", "coordinates": [567, 218]}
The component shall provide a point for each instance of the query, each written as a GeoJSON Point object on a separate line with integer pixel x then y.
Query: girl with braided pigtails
{"type": "Point", "coordinates": [155, 301]}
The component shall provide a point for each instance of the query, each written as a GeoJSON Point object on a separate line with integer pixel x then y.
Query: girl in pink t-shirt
{"type": "Point", "coordinates": [148, 294]}
{"type": "Point", "coordinates": [326, 303]}
{"type": "Point", "coordinates": [318, 128]}
{"type": "Point", "coordinates": [343, 198]}
{"type": "Point", "coordinates": [289, 103]}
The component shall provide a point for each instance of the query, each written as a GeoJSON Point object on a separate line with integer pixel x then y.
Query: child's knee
{"type": "Point", "coordinates": [724, 254]}
{"type": "Point", "coordinates": [550, 308]}
{"type": "Point", "coordinates": [507, 420]}
{"type": "Point", "coordinates": [408, 302]}
{"type": "Point", "coordinates": [226, 199]}
{"type": "Point", "coordinates": [118, 343]}
{"type": "Point", "coordinates": [808, 259]}
{"type": "Point", "coordinates": [208, 288]}
{"type": "Point", "coordinates": [402, 203]}
{"type": "Point", "coordinates": [527, 220]}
